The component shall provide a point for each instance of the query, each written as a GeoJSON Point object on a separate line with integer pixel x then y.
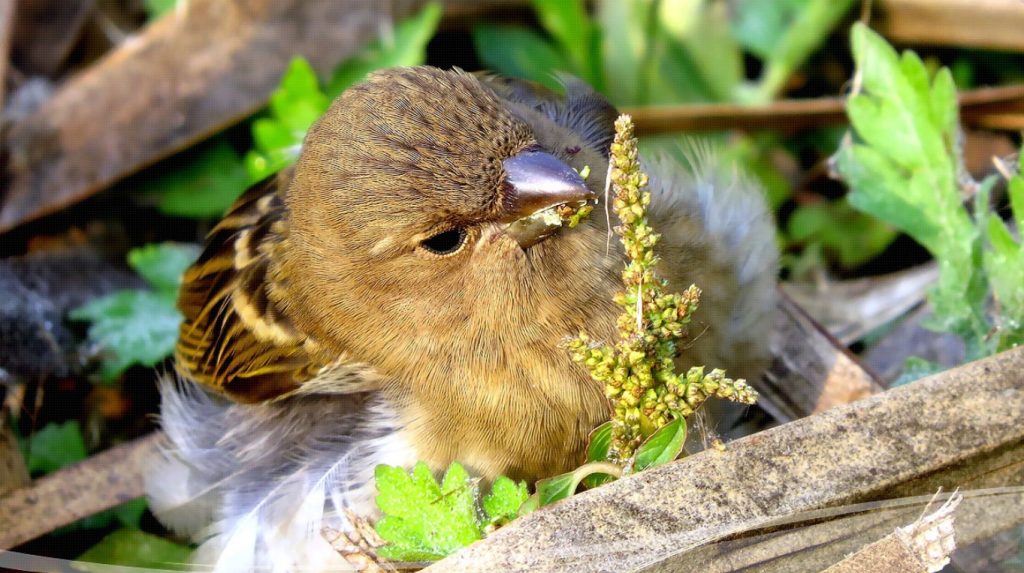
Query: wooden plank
{"type": "Point", "coordinates": [811, 370]}
{"type": "Point", "coordinates": [980, 107]}
{"type": "Point", "coordinates": [103, 481]}
{"type": "Point", "coordinates": [994, 24]}
{"type": "Point", "coordinates": [955, 426]}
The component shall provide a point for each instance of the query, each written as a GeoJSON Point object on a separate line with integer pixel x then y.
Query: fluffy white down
{"type": "Point", "coordinates": [256, 485]}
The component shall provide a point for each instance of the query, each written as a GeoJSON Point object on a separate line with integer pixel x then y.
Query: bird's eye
{"type": "Point", "coordinates": [447, 243]}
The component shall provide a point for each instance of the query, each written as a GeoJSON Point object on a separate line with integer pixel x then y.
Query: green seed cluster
{"type": "Point", "coordinates": [639, 370]}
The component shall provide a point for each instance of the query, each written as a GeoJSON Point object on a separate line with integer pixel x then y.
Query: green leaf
{"type": "Point", "coordinates": [407, 46]}
{"type": "Point", "coordinates": [564, 485]}
{"type": "Point", "coordinates": [204, 186]}
{"type": "Point", "coordinates": [597, 451]}
{"type": "Point", "coordinates": [809, 25]}
{"type": "Point", "coordinates": [905, 169]}
{"type": "Point", "coordinates": [423, 520]}
{"type": "Point", "coordinates": [56, 446]}
{"type": "Point", "coordinates": [294, 106]}
{"type": "Point", "coordinates": [157, 8]}
{"type": "Point", "coordinates": [760, 26]}
{"type": "Point", "coordinates": [131, 327]}
{"type": "Point", "coordinates": [847, 235]}
{"type": "Point", "coordinates": [519, 52]}
{"type": "Point", "coordinates": [162, 264]}
{"type": "Point", "coordinates": [506, 497]}
{"type": "Point", "coordinates": [134, 326]}
{"type": "Point", "coordinates": [567, 22]}
{"type": "Point", "coordinates": [701, 50]}
{"type": "Point", "coordinates": [134, 548]}
{"type": "Point", "coordinates": [662, 446]}
{"type": "Point", "coordinates": [625, 40]}
{"type": "Point", "coordinates": [600, 442]}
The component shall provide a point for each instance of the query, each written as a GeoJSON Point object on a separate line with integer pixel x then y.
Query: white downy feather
{"type": "Point", "coordinates": [257, 484]}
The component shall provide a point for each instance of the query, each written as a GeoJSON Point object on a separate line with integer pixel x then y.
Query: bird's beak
{"type": "Point", "coordinates": [537, 182]}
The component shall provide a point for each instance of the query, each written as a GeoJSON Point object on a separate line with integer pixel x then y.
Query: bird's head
{"type": "Point", "coordinates": [413, 238]}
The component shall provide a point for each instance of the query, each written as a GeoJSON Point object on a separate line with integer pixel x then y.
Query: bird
{"type": "Point", "coordinates": [387, 301]}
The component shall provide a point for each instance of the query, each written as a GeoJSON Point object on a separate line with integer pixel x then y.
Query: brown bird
{"type": "Point", "coordinates": [384, 302]}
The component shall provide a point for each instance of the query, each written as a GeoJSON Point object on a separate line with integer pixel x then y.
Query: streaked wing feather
{"type": "Point", "coordinates": [233, 339]}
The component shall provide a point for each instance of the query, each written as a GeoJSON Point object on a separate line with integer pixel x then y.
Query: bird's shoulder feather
{"type": "Point", "coordinates": [234, 339]}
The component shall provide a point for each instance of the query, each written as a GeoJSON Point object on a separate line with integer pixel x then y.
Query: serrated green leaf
{"type": "Point", "coordinates": [56, 446]}
{"type": "Point", "coordinates": [506, 497]}
{"type": "Point", "coordinates": [423, 520]}
{"type": "Point", "coordinates": [134, 548]}
{"type": "Point", "coordinates": [131, 327]}
{"type": "Point", "coordinates": [662, 446]}
{"type": "Point", "coordinates": [519, 52]}
{"type": "Point", "coordinates": [204, 186]}
{"type": "Point", "coordinates": [407, 46]}
{"type": "Point", "coordinates": [905, 170]}
{"type": "Point", "coordinates": [162, 264]}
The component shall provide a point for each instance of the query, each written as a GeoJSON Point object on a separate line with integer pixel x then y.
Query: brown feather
{"type": "Point", "coordinates": [234, 339]}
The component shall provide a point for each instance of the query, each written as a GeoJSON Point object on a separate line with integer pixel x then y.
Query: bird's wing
{"type": "Point", "coordinates": [234, 339]}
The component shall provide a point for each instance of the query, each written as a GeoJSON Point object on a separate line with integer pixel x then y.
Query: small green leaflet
{"type": "Point", "coordinates": [832, 224]}
{"type": "Point", "coordinates": [504, 501]}
{"type": "Point", "coordinates": [55, 446]}
{"type": "Point", "coordinates": [662, 446]}
{"type": "Point", "coordinates": [134, 548]}
{"type": "Point", "coordinates": [294, 106]}
{"type": "Point", "coordinates": [136, 326]}
{"type": "Point", "coordinates": [425, 521]}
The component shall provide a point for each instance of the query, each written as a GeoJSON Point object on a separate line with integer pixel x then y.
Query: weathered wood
{"type": "Point", "coordinates": [103, 481]}
{"type": "Point", "coordinates": [980, 107]}
{"type": "Point", "coordinates": [13, 473]}
{"type": "Point", "coordinates": [961, 23]}
{"type": "Point", "coordinates": [852, 308]}
{"type": "Point", "coordinates": [811, 371]}
{"type": "Point", "coordinates": [921, 547]}
{"type": "Point", "coordinates": [934, 430]}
